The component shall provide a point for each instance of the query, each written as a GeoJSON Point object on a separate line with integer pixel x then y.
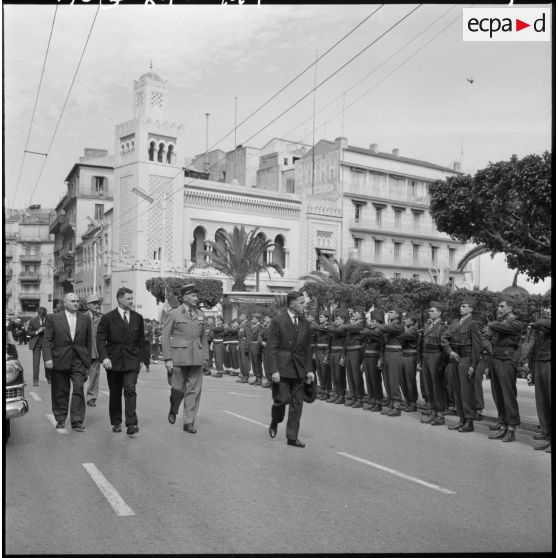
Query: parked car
{"type": "Point", "coordinates": [14, 399]}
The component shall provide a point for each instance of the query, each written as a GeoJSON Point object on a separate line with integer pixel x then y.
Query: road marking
{"type": "Point", "coordinates": [396, 473]}
{"type": "Point", "coordinates": [242, 394]}
{"type": "Point", "coordinates": [51, 418]}
{"type": "Point", "coordinates": [34, 396]}
{"type": "Point", "coordinates": [109, 492]}
{"type": "Point", "coordinates": [246, 418]}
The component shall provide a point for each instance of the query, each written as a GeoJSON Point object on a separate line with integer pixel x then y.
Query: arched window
{"type": "Point", "coordinates": [198, 245]}
{"type": "Point", "coordinates": [160, 153]}
{"type": "Point", "coordinates": [170, 154]}
{"type": "Point", "coordinates": [279, 251]}
{"type": "Point", "coordinates": [263, 238]}
{"type": "Point", "coordinates": [219, 237]}
{"type": "Point", "coordinates": [151, 150]}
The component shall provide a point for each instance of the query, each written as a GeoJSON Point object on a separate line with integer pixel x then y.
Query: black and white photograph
{"type": "Point", "coordinates": [265, 263]}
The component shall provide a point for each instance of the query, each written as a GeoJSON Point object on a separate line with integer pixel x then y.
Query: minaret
{"type": "Point", "coordinates": [150, 96]}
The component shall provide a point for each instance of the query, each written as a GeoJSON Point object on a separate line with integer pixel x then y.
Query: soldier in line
{"type": "Point", "coordinates": [338, 336]}
{"type": "Point", "coordinates": [265, 353]}
{"type": "Point", "coordinates": [540, 367]}
{"type": "Point", "coordinates": [353, 358]}
{"type": "Point", "coordinates": [323, 370]}
{"type": "Point", "coordinates": [392, 362]}
{"type": "Point", "coordinates": [373, 346]}
{"type": "Point", "coordinates": [256, 348]}
{"type": "Point", "coordinates": [231, 345]}
{"type": "Point", "coordinates": [505, 336]}
{"type": "Point", "coordinates": [483, 369]}
{"type": "Point", "coordinates": [409, 350]}
{"type": "Point", "coordinates": [311, 319]}
{"type": "Point", "coordinates": [243, 354]}
{"type": "Point", "coordinates": [433, 361]}
{"type": "Point", "coordinates": [226, 351]}
{"type": "Point", "coordinates": [217, 332]}
{"type": "Point", "coordinates": [464, 350]}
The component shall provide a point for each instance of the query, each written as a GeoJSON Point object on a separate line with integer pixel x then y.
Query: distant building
{"type": "Point", "coordinates": [28, 255]}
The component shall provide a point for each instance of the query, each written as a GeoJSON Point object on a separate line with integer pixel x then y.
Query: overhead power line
{"type": "Point", "coordinates": [25, 151]}
{"type": "Point", "coordinates": [65, 102]}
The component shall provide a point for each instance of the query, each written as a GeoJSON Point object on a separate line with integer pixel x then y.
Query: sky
{"type": "Point", "coordinates": [409, 89]}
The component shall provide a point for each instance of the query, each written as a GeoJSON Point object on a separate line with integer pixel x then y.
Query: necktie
{"type": "Point", "coordinates": [295, 322]}
{"type": "Point", "coordinates": [126, 317]}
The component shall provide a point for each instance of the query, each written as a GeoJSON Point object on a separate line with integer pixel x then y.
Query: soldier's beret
{"type": "Point", "coordinates": [412, 316]}
{"type": "Point", "coordinates": [469, 300]}
{"type": "Point", "coordinates": [187, 289]}
{"type": "Point", "coordinates": [378, 316]}
{"type": "Point", "coordinates": [509, 300]}
{"type": "Point", "coordinates": [436, 304]}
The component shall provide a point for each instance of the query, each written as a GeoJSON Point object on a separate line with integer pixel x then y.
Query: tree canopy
{"type": "Point", "coordinates": [339, 272]}
{"type": "Point", "coordinates": [210, 290]}
{"type": "Point", "coordinates": [506, 207]}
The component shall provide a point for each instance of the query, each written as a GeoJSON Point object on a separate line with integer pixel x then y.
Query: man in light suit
{"type": "Point", "coordinates": [36, 330]}
{"type": "Point", "coordinates": [121, 344]}
{"type": "Point", "coordinates": [67, 353]}
{"type": "Point", "coordinates": [185, 349]}
{"type": "Point", "coordinates": [290, 361]}
{"type": "Point", "coordinates": [93, 304]}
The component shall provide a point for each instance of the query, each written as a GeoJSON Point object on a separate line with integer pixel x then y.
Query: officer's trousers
{"type": "Point", "coordinates": [337, 373]}
{"type": "Point", "coordinates": [503, 378]}
{"type": "Point", "coordinates": [543, 396]}
{"type": "Point", "coordinates": [464, 389]}
{"type": "Point", "coordinates": [373, 376]}
{"type": "Point", "coordinates": [434, 380]}
{"type": "Point", "coordinates": [392, 372]}
{"type": "Point", "coordinates": [409, 379]}
{"type": "Point", "coordinates": [354, 375]}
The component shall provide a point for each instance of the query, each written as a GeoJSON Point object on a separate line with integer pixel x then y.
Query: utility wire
{"type": "Point", "coordinates": [300, 74]}
{"type": "Point", "coordinates": [65, 102]}
{"type": "Point", "coordinates": [398, 22]}
{"type": "Point", "coordinates": [34, 107]}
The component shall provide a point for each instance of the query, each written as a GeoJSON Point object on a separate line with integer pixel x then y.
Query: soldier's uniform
{"type": "Point", "coordinates": [372, 345]}
{"type": "Point", "coordinates": [464, 338]}
{"type": "Point", "coordinates": [433, 359]}
{"type": "Point", "coordinates": [243, 353]}
{"type": "Point", "coordinates": [218, 347]}
{"type": "Point", "coordinates": [409, 352]}
{"type": "Point", "coordinates": [265, 354]}
{"type": "Point", "coordinates": [392, 365]}
{"type": "Point", "coordinates": [230, 342]}
{"type": "Point", "coordinates": [323, 369]}
{"type": "Point", "coordinates": [338, 335]}
{"type": "Point", "coordinates": [353, 361]}
{"type": "Point", "coordinates": [256, 351]}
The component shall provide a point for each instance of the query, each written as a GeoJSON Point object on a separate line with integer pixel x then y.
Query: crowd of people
{"type": "Point", "coordinates": [363, 359]}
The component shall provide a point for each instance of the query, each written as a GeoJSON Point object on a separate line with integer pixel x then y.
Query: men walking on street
{"type": "Point", "coordinates": [540, 367]}
{"type": "Point", "coordinates": [36, 331]}
{"type": "Point", "coordinates": [290, 358]}
{"type": "Point", "coordinates": [67, 353]}
{"type": "Point", "coordinates": [464, 350]}
{"type": "Point", "coordinates": [505, 335]}
{"type": "Point", "coordinates": [433, 362]}
{"type": "Point", "coordinates": [121, 344]}
{"type": "Point", "coordinates": [93, 305]}
{"type": "Point", "coordinates": [185, 349]}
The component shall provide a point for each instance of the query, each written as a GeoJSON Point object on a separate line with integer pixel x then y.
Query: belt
{"type": "Point", "coordinates": [232, 342]}
{"type": "Point", "coordinates": [336, 347]}
{"type": "Point", "coordinates": [354, 348]}
{"type": "Point", "coordinates": [254, 341]}
{"type": "Point", "coordinates": [322, 346]}
{"type": "Point", "coordinates": [217, 340]}
{"type": "Point", "coordinates": [409, 352]}
{"type": "Point", "coordinates": [464, 351]}
{"type": "Point", "coordinates": [398, 347]}
{"type": "Point", "coordinates": [371, 352]}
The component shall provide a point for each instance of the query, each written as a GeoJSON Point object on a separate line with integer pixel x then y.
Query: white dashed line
{"type": "Point", "coordinates": [34, 396]}
{"type": "Point", "coordinates": [109, 492]}
{"type": "Point", "coordinates": [51, 418]}
{"type": "Point", "coordinates": [396, 473]}
{"type": "Point", "coordinates": [246, 418]}
{"type": "Point", "coordinates": [242, 394]}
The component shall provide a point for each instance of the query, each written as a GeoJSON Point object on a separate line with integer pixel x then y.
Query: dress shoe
{"type": "Point", "coordinates": [427, 420]}
{"type": "Point", "coordinates": [357, 405]}
{"type": "Point", "coordinates": [349, 402]}
{"type": "Point", "coordinates": [218, 375]}
{"type": "Point", "coordinates": [467, 427]}
{"type": "Point", "coordinates": [242, 381]}
{"type": "Point", "coordinates": [395, 412]}
{"type": "Point", "coordinates": [542, 446]}
{"type": "Point", "coordinates": [456, 426]}
{"type": "Point", "coordinates": [91, 403]}
{"type": "Point", "coordinates": [412, 408]}
{"type": "Point", "coordinates": [497, 435]}
{"type": "Point", "coordinates": [325, 396]}
{"type": "Point", "coordinates": [117, 428]}
{"type": "Point", "coordinates": [258, 382]}
{"type": "Point", "coordinates": [296, 443]}
{"type": "Point", "coordinates": [367, 406]}
{"type": "Point", "coordinates": [438, 421]}
{"type": "Point", "coordinates": [332, 399]}
{"type": "Point", "coordinates": [60, 424]}
{"type": "Point", "coordinates": [497, 426]}
{"type": "Point", "coordinates": [189, 428]}
{"type": "Point", "coordinates": [340, 400]}
{"type": "Point", "coordinates": [78, 427]}
{"type": "Point", "coordinates": [273, 430]}
{"type": "Point", "coordinates": [172, 418]}
{"type": "Point", "coordinates": [385, 410]}
{"type": "Point", "coordinates": [376, 408]}
{"type": "Point", "coordinates": [539, 437]}
{"type": "Point", "coordinates": [133, 429]}
{"type": "Point", "coordinates": [509, 437]}
{"type": "Point", "coordinates": [478, 416]}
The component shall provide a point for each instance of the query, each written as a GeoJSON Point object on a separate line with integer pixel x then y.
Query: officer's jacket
{"type": "Point", "coordinates": [322, 334]}
{"type": "Point", "coordinates": [217, 333]}
{"type": "Point", "coordinates": [409, 341]}
{"type": "Point", "coordinates": [254, 332]}
{"type": "Point", "coordinates": [184, 338]}
{"type": "Point", "coordinates": [542, 347]}
{"type": "Point", "coordinates": [392, 334]}
{"type": "Point", "coordinates": [372, 340]}
{"type": "Point", "coordinates": [354, 335]}
{"type": "Point", "coordinates": [432, 339]}
{"type": "Point", "coordinates": [338, 336]}
{"type": "Point", "coordinates": [243, 341]}
{"type": "Point", "coordinates": [465, 339]}
{"type": "Point", "coordinates": [505, 336]}
{"type": "Point", "coordinates": [230, 334]}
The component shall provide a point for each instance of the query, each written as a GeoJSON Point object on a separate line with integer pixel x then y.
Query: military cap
{"type": "Point", "coordinates": [378, 316]}
{"type": "Point", "coordinates": [93, 298]}
{"type": "Point", "coordinates": [412, 316]}
{"type": "Point", "coordinates": [257, 315]}
{"type": "Point", "coordinates": [435, 304]}
{"type": "Point", "coordinates": [187, 289]}
{"type": "Point", "coordinates": [324, 313]}
{"type": "Point", "coordinates": [510, 301]}
{"type": "Point", "coordinates": [470, 301]}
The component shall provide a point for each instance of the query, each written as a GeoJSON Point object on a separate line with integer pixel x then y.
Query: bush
{"type": "Point", "coordinates": [210, 290]}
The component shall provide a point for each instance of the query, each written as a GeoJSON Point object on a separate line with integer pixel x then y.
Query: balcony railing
{"type": "Point", "coordinates": [30, 295]}
{"type": "Point", "coordinates": [30, 258]}
{"type": "Point", "coordinates": [29, 277]}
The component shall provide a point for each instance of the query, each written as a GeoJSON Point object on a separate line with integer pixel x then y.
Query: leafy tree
{"type": "Point", "coordinates": [240, 254]}
{"type": "Point", "coordinates": [210, 290]}
{"type": "Point", "coordinates": [505, 207]}
{"type": "Point", "coordinates": [350, 272]}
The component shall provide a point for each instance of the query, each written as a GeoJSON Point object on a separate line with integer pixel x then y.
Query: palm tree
{"type": "Point", "coordinates": [240, 254]}
{"type": "Point", "coordinates": [350, 272]}
{"type": "Point", "coordinates": [473, 253]}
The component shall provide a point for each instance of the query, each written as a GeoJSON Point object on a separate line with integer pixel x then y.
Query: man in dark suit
{"type": "Point", "coordinates": [290, 361]}
{"type": "Point", "coordinates": [121, 344]}
{"type": "Point", "coordinates": [36, 331]}
{"type": "Point", "coordinates": [93, 305]}
{"type": "Point", "coordinates": [185, 350]}
{"type": "Point", "coordinates": [67, 353]}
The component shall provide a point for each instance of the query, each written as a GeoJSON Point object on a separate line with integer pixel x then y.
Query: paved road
{"type": "Point", "coordinates": [364, 483]}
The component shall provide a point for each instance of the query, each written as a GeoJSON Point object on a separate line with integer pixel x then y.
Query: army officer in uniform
{"type": "Point", "coordinates": [184, 351]}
